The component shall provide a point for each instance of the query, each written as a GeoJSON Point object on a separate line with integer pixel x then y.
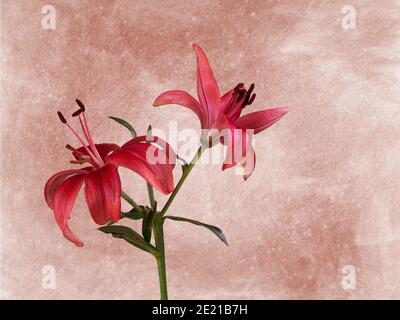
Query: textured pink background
{"type": "Point", "coordinates": [325, 192]}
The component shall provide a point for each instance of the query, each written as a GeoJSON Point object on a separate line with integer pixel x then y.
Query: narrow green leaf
{"type": "Point", "coordinates": [130, 236]}
{"type": "Point", "coordinates": [126, 124]}
{"type": "Point", "coordinates": [135, 214]}
{"type": "Point", "coordinates": [217, 231]}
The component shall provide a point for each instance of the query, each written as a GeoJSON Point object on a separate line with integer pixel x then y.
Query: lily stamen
{"type": "Point", "coordinates": [85, 128]}
{"type": "Point", "coordinates": [62, 119]}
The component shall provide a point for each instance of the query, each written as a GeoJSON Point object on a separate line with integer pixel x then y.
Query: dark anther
{"type": "Point", "coordinates": [239, 86]}
{"type": "Point", "coordinates": [248, 94]}
{"type": "Point", "coordinates": [77, 113]}
{"type": "Point", "coordinates": [80, 104]}
{"type": "Point", "coordinates": [69, 147]}
{"type": "Point", "coordinates": [62, 119]}
{"type": "Point", "coordinates": [251, 99]}
{"type": "Point", "coordinates": [251, 89]}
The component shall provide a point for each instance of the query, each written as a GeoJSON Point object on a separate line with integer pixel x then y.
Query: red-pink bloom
{"type": "Point", "coordinates": [101, 178]}
{"type": "Point", "coordinates": [216, 112]}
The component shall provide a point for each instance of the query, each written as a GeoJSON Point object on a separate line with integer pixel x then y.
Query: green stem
{"type": "Point", "coordinates": [162, 271]}
{"type": "Point", "coordinates": [159, 223]}
{"type": "Point", "coordinates": [150, 191]}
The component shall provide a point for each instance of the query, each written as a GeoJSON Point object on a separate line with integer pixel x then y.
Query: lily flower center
{"type": "Point", "coordinates": [241, 97]}
{"type": "Point", "coordinates": [93, 154]}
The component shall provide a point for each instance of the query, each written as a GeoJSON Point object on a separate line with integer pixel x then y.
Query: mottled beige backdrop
{"type": "Point", "coordinates": [326, 190]}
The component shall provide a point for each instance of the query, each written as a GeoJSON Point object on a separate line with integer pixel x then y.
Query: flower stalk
{"type": "Point", "coordinates": [159, 225]}
{"type": "Point", "coordinates": [161, 265]}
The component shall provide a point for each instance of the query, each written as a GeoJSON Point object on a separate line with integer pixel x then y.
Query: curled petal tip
{"type": "Point", "coordinates": [79, 244]}
{"type": "Point", "coordinates": [69, 235]}
{"type": "Point", "coordinates": [171, 189]}
{"type": "Point", "coordinates": [198, 50]}
{"type": "Point", "coordinates": [157, 102]}
{"type": "Point", "coordinates": [281, 111]}
{"type": "Point", "coordinates": [168, 189]}
{"type": "Point", "coordinates": [162, 99]}
{"type": "Point", "coordinates": [284, 110]}
{"type": "Point", "coordinates": [227, 166]}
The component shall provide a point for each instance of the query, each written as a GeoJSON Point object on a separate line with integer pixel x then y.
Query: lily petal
{"type": "Point", "coordinates": [102, 194]}
{"type": "Point", "coordinates": [250, 162]}
{"type": "Point", "coordinates": [261, 120]}
{"type": "Point", "coordinates": [133, 156]}
{"type": "Point", "coordinates": [103, 148]}
{"type": "Point", "coordinates": [64, 199]}
{"type": "Point", "coordinates": [159, 143]}
{"type": "Point", "coordinates": [52, 184]}
{"type": "Point", "coordinates": [184, 99]}
{"type": "Point", "coordinates": [69, 235]}
{"type": "Point", "coordinates": [207, 87]}
{"type": "Point", "coordinates": [239, 149]}
{"type": "Point", "coordinates": [227, 98]}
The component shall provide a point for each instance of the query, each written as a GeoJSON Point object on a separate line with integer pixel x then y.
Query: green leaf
{"type": "Point", "coordinates": [130, 236]}
{"type": "Point", "coordinates": [135, 214]}
{"type": "Point", "coordinates": [217, 231]}
{"type": "Point", "coordinates": [126, 124]}
{"type": "Point", "coordinates": [147, 224]}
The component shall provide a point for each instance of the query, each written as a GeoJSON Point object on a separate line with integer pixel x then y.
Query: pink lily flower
{"type": "Point", "coordinates": [101, 178]}
{"type": "Point", "coordinates": [216, 112]}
